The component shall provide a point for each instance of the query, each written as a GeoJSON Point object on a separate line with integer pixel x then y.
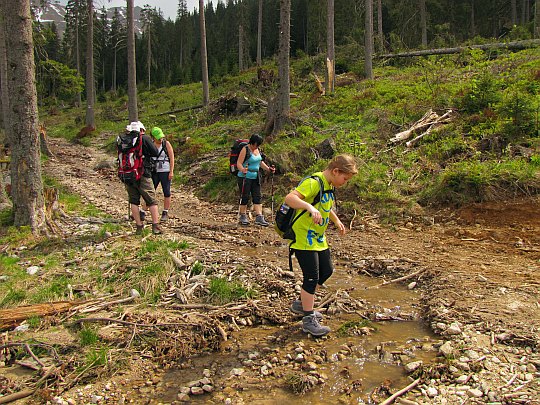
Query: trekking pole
{"type": "Point", "coordinates": [241, 194]}
{"type": "Point", "coordinates": [272, 182]}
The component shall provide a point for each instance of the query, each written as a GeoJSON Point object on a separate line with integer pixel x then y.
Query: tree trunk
{"type": "Point", "coordinates": [204, 56]}
{"type": "Point", "coordinates": [114, 71]}
{"type": "Point", "coordinates": [23, 132]}
{"type": "Point", "coordinates": [259, 34]}
{"type": "Point", "coordinates": [90, 85]}
{"type": "Point", "coordinates": [149, 56]}
{"type": "Point", "coordinates": [133, 112]}
{"type": "Point", "coordinates": [380, 32]}
{"type": "Point", "coordinates": [514, 11]}
{"type": "Point", "coordinates": [423, 22]}
{"type": "Point", "coordinates": [517, 45]}
{"type": "Point", "coordinates": [368, 40]}
{"type": "Point", "coordinates": [473, 23]}
{"type": "Point", "coordinates": [240, 48]}
{"type": "Point", "coordinates": [78, 59]}
{"type": "Point", "coordinates": [537, 19]}
{"type": "Point", "coordinates": [330, 52]}
{"type": "Point", "coordinates": [3, 73]}
{"type": "Point", "coordinates": [4, 201]}
{"type": "Point", "coordinates": [283, 102]}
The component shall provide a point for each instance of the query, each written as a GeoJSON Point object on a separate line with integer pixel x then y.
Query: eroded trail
{"type": "Point", "coordinates": [477, 286]}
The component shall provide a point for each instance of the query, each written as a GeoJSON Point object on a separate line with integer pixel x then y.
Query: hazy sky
{"type": "Point", "coordinates": [168, 7]}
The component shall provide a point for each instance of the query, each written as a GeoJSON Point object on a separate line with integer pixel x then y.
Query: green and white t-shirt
{"type": "Point", "coordinates": [310, 236]}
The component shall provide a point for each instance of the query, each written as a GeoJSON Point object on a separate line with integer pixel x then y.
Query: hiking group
{"type": "Point", "coordinates": [143, 164]}
{"type": "Point", "coordinates": [302, 218]}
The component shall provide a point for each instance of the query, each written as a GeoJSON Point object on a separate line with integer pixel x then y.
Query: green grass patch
{"type": "Point", "coordinates": [351, 328]}
{"type": "Point", "coordinates": [53, 291]}
{"type": "Point", "coordinates": [12, 298]}
{"type": "Point", "coordinates": [223, 291]}
{"type": "Point", "coordinates": [88, 336]}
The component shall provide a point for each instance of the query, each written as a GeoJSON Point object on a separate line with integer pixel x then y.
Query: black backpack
{"type": "Point", "coordinates": [154, 160]}
{"type": "Point", "coordinates": [236, 148]}
{"type": "Point", "coordinates": [285, 216]}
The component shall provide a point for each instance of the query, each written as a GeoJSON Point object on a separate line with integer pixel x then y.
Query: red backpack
{"type": "Point", "coordinates": [130, 157]}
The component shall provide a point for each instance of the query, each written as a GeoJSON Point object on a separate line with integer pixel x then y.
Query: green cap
{"type": "Point", "coordinates": [157, 133]}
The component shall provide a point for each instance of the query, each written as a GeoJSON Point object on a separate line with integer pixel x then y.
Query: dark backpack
{"type": "Point", "coordinates": [285, 216]}
{"type": "Point", "coordinates": [130, 157]}
{"type": "Point", "coordinates": [236, 148]}
{"type": "Point", "coordinates": [163, 150]}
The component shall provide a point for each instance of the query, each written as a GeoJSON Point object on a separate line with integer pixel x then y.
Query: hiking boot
{"type": "Point", "coordinates": [259, 220]}
{"type": "Point", "coordinates": [296, 307]}
{"type": "Point", "coordinates": [139, 229]}
{"type": "Point", "coordinates": [311, 325]}
{"type": "Point", "coordinates": [243, 219]}
{"type": "Point", "coordinates": [164, 216]}
{"type": "Point", "coordinates": [156, 230]}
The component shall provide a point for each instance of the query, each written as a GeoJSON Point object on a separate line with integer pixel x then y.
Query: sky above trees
{"type": "Point", "coordinates": [168, 7]}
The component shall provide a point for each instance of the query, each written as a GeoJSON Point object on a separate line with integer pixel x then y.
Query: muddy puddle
{"type": "Point", "coordinates": [352, 367]}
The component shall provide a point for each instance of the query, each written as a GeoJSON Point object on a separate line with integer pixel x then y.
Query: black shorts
{"type": "Point", "coordinates": [249, 187]}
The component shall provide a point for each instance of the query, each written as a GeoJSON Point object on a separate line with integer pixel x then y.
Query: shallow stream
{"type": "Point", "coordinates": [370, 360]}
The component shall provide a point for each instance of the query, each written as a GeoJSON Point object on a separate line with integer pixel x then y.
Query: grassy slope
{"type": "Point", "coordinates": [471, 159]}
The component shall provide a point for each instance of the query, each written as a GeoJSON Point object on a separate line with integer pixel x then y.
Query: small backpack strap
{"type": "Point", "coordinates": [291, 252]}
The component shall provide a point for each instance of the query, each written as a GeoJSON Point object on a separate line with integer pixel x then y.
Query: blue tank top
{"type": "Point", "coordinates": [253, 164]}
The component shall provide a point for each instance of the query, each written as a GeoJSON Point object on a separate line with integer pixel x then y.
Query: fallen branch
{"type": "Point", "coordinates": [431, 120]}
{"type": "Point", "coordinates": [445, 118]}
{"type": "Point", "coordinates": [531, 43]}
{"type": "Point", "coordinates": [423, 122]}
{"type": "Point", "coordinates": [397, 280]}
{"type": "Point", "coordinates": [107, 304]}
{"type": "Point", "coordinates": [31, 353]}
{"type": "Point", "coordinates": [12, 316]}
{"type": "Point", "coordinates": [193, 107]}
{"type": "Point", "coordinates": [354, 216]}
{"type": "Point", "coordinates": [111, 320]}
{"type": "Point", "coordinates": [14, 397]}
{"type": "Point", "coordinates": [392, 398]}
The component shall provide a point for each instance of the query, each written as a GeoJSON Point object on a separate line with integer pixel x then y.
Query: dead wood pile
{"type": "Point", "coordinates": [427, 124]}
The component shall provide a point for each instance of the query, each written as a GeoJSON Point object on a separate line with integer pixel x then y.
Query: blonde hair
{"type": "Point", "coordinates": [344, 163]}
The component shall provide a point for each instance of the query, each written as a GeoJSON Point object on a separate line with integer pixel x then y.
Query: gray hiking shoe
{"type": "Point", "coordinates": [311, 325]}
{"type": "Point", "coordinates": [156, 230]}
{"type": "Point", "coordinates": [243, 220]}
{"type": "Point", "coordinates": [139, 229]}
{"type": "Point", "coordinates": [296, 307]}
{"type": "Point", "coordinates": [259, 220]}
{"type": "Point", "coordinates": [164, 216]}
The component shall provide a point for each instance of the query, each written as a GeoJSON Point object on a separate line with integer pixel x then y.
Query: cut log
{"type": "Point", "coordinates": [13, 316]}
{"type": "Point", "coordinates": [514, 46]}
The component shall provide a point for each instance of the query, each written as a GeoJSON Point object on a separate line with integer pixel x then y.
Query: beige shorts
{"type": "Point", "coordinates": [144, 189]}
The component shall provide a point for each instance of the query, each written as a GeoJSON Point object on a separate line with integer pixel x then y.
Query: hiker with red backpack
{"type": "Point", "coordinates": [135, 150]}
{"type": "Point", "coordinates": [163, 169]}
{"type": "Point", "coordinates": [249, 162]}
{"type": "Point", "coordinates": [313, 202]}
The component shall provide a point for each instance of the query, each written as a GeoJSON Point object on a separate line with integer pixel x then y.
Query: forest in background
{"type": "Point", "coordinates": [168, 52]}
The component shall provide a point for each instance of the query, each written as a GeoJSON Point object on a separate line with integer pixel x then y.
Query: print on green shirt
{"type": "Point", "coordinates": [310, 236]}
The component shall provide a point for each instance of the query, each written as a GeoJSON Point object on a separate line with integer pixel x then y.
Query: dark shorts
{"type": "Point", "coordinates": [316, 266]}
{"type": "Point", "coordinates": [144, 189]}
{"type": "Point", "coordinates": [163, 178]}
{"type": "Point", "coordinates": [249, 187]}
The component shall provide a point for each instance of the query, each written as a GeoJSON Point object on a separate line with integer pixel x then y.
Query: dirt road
{"type": "Point", "coordinates": [478, 272]}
